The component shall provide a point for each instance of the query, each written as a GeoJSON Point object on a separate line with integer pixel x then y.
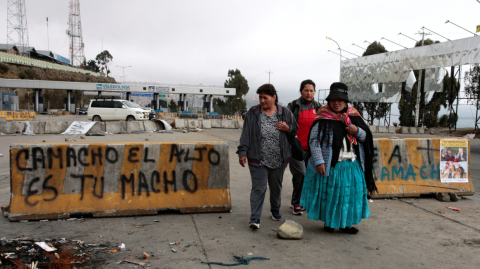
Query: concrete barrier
{"type": "Point", "coordinates": [216, 123]}
{"type": "Point", "coordinates": [50, 181]}
{"type": "Point", "coordinates": [229, 124]}
{"type": "Point", "coordinates": [98, 127]}
{"type": "Point", "coordinates": [405, 130]}
{"type": "Point", "coordinates": [135, 127]}
{"type": "Point", "coordinates": [411, 167]}
{"type": "Point", "coordinates": [55, 127]}
{"type": "Point", "coordinates": [38, 127]}
{"type": "Point", "coordinates": [412, 130]}
{"type": "Point", "coordinates": [153, 125]}
{"type": "Point", "coordinates": [180, 123]}
{"type": "Point", "coordinates": [240, 124]}
{"type": "Point", "coordinates": [383, 129]}
{"type": "Point", "coordinates": [373, 128]}
{"type": "Point", "coordinates": [116, 127]}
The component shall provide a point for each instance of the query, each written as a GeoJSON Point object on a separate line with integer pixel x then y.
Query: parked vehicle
{"type": "Point", "coordinates": [115, 109]}
{"type": "Point", "coordinates": [82, 111]}
{"type": "Point", "coordinates": [152, 114]}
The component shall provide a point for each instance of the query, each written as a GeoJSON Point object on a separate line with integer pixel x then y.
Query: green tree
{"type": "Point", "coordinates": [92, 66]}
{"type": "Point", "coordinates": [236, 80]}
{"type": "Point", "coordinates": [374, 110]}
{"type": "Point", "coordinates": [103, 60]}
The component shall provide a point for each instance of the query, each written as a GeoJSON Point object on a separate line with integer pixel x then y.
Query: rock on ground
{"type": "Point", "coordinates": [290, 230]}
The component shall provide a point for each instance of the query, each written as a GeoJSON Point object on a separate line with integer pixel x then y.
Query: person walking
{"type": "Point", "coordinates": [264, 146]}
{"type": "Point", "coordinates": [304, 110]}
{"type": "Point", "coordinates": [340, 170]}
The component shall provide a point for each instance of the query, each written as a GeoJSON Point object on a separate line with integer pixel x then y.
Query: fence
{"type": "Point", "coordinates": [17, 59]}
{"type": "Point", "coordinates": [17, 115]}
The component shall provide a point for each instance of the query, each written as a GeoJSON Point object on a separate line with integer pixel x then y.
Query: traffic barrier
{"type": "Point", "coordinates": [17, 115]}
{"type": "Point", "coordinates": [412, 167]}
{"type": "Point", "coordinates": [50, 181]}
{"type": "Point", "coordinates": [55, 127]}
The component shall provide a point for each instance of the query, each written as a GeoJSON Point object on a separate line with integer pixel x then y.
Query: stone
{"type": "Point", "coordinates": [443, 197]}
{"type": "Point", "coordinates": [146, 139]}
{"type": "Point", "coordinates": [453, 196]}
{"type": "Point", "coordinates": [184, 131]}
{"type": "Point", "coordinates": [290, 230]}
{"type": "Point", "coordinates": [82, 137]}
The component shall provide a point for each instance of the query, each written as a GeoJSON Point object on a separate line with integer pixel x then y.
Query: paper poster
{"type": "Point", "coordinates": [453, 160]}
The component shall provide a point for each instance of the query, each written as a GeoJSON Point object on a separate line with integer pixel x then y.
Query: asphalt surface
{"type": "Point", "coordinates": [403, 233]}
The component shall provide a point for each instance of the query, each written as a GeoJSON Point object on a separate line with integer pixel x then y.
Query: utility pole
{"type": "Point", "coordinates": [76, 47]}
{"type": "Point", "coordinates": [419, 86]}
{"type": "Point", "coordinates": [17, 28]}
{"type": "Point", "coordinates": [269, 72]}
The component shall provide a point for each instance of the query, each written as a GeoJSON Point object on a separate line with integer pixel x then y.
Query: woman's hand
{"type": "Point", "coordinates": [352, 129]}
{"type": "Point", "coordinates": [282, 126]}
{"type": "Point", "coordinates": [242, 160]}
{"type": "Point", "coordinates": [320, 169]}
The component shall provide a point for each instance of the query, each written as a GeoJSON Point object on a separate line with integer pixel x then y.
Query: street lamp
{"type": "Point", "coordinates": [461, 27]}
{"type": "Point", "coordinates": [423, 27]}
{"type": "Point", "coordinates": [124, 71]}
{"type": "Point", "coordinates": [351, 53]}
{"type": "Point", "coordinates": [394, 42]}
{"type": "Point", "coordinates": [408, 37]}
{"type": "Point", "coordinates": [367, 42]}
{"type": "Point", "coordinates": [358, 46]}
{"type": "Point", "coordinates": [340, 56]}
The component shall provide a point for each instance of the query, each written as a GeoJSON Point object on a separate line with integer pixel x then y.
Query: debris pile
{"type": "Point", "coordinates": [50, 253]}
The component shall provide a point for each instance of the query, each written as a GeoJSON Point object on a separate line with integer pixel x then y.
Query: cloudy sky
{"type": "Point", "coordinates": [193, 42]}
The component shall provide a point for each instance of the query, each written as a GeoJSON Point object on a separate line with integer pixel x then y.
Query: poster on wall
{"type": "Point", "coordinates": [453, 160]}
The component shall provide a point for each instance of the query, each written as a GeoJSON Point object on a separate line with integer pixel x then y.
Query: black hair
{"type": "Point", "coordinates": [305, 82]}
{"type": "Point", "coordinates": [268, 89]}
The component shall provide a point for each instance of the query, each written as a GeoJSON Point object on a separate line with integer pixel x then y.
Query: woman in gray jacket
{"type": "Point", "coordinates": [264, 145]}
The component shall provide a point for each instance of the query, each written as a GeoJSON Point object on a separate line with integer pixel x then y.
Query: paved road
{"type": "Point", "coordinates": [407, 233]}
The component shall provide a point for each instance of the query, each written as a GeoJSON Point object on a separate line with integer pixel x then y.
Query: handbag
{"type": "Point", "coordinates": [297, 150]}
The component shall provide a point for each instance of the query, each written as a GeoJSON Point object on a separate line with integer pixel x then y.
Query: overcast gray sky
{"type": "Point", "coordinates": [193, 42]}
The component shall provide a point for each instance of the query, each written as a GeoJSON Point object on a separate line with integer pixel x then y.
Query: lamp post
{"type": "Point", "coordinates": [394, 42]}
{"type": "Point", "coordinates": [408, 37]}
{"type": "Point", "coordinates": [340, 75]}
{"type": "Point", "coordinates": [367, 42]}
{"type": "Point", "coordinates": [338, 54]}
{"type": "Point", "coordinates": [423, 27]}
{"type": "Point", "coordinates": [461, 27]}
{"type": "Point", "coordinates": [124, 71]}
{"type": "Point", "coordinates": [351, 53]}
{"type": "Point", "coordinates": [358, 46]}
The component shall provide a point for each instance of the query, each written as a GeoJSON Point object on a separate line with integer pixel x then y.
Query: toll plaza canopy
{"type": "Point", "coordinates": [363, 74]}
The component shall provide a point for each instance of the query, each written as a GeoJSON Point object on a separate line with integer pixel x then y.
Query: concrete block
{"type": "Point", "coordinates": [216, 123]}
{"type": "Point", "coordinates": [192, 123]}
{"type": "Point", "coordinates": [240, 124]}
{"type": "Point", "coordinates": [2, 119]}
{"type": "Point", "coordinates": [383, 129]}
{"type": "Point", "coordinates": [206, 124]}
{"type": "Point", "coordinates": [373, 128]}
{"type": "Point", "coordinates": [7, 127]}
{"type": "Point", "coordinates": [180, 123]}
{"type": "Point", "coordinates": [135, 127]}
{"type": "Point", "coordinates": [421, 130]}
{"type": "Point", "coordinates": [229, 124]}
{"type": "Point", "coordinates": [405, 130]}
{"type": "Point", "coordinates": [55, 127]}
{"type": "Point", "coordinates": [116, 127]}
{"type": "Point", "coordinates": [151, 125]}
{"type": "Point", "coordinates": [392, 129]}
{"type": "Point", "coordinates": [98, 127]}
{"type": "Point", "coordinates": [202, 183]}
{"type": "Point", "coordinates": [413, 130]}
{"type": "Point", "coordinates": [19, 126]}
{"type": "Point", "coordinates": [38, 127]}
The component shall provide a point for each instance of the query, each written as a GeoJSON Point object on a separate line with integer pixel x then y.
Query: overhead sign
{"type": "Point", "coordinates": [162, 89]}
{"type": "Point", "coordinates": [161, 95]}
{"type": "Point", "coordinates": [112, 87]}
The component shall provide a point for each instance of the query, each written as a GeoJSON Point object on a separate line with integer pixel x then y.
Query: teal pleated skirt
{"type": "Point", "coordinates": [339, 199]}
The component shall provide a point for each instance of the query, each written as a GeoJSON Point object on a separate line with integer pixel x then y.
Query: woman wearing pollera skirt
{"type": "Point", "coordinates": [340, 170]}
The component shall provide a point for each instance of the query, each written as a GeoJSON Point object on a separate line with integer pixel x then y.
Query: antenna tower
{"type": "Point", "coordinates": [77, 55]}
{"type": "Point", "coordinates": [17, 29]}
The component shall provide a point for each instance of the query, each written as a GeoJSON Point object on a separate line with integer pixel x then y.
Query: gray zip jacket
{"type": "Point", "coordinates": [250, 140]}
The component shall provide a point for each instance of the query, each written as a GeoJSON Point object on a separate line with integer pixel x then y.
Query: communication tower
{"type": "Point", "coordinates": [17, 29]}
{"type": "Point", "coordinates": [77, 55]}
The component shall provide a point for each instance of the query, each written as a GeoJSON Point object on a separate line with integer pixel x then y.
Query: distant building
{"type": "Point", "coordinates": [9, 48]}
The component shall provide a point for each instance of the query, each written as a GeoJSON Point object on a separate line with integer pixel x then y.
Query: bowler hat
{"type": "Point", "coordinates": [338, 90]}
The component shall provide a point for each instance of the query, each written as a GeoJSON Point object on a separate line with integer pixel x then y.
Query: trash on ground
{"type": "Point", "coordinates": [122, 246]}
{"type": "Point", "coordinates": [145, 255]}
{"type": "Point", "coordinates": [370, 200]}
{"type": "Point", "coordinates": [174, 250]}
{"type": "Point", "coordinates": [112, 250]}
{"type": "Point", "coordinates": [240, 260]}
{"type": "Point", "coordinates": [141, 225]}
{"type": "Point", "coordinates": [442, 212]}
{"type": "Point", "coordinates": [45, 247]}
{"type": "Point", "coordinates": [469, 136]}
{"type": "Point", "coordinates": [175, 243]}
{"type": "Point", "coordinates": [453, 208]}
{"type": "Point", "coordinates": [144, 265]}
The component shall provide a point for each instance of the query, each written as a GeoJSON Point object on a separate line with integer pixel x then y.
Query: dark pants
{"type": "Point", "coordinates": [261, 176]}
{"type": "Point", "coordinates": [297, 168]}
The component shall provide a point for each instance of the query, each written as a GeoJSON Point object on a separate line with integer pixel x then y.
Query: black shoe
{"type": "Point", "coordinates": [328, 229]}
{"type": "Point", "coordinates": [275, 215]}
{"type": "Point", "coordinates": [350, 230]}
{"type": "Point", "coordinates": [297, 210]}
{"type": "Point", "coordinates": [254, 224]}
